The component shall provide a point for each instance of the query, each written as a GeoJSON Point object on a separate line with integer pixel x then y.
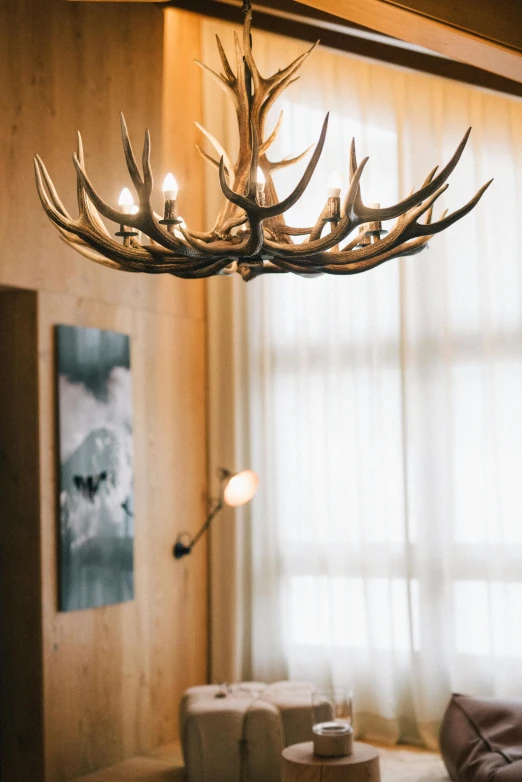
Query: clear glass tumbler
{"type": "Point", "coordinates": [332, 705]}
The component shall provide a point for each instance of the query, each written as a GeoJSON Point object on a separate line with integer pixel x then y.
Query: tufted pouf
{"type": "Point", "coordinates": [481, 739]}
{"type": "Point", "coordinates": [238, 733]}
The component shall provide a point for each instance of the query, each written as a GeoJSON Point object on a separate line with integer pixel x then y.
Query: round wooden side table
{"type": "Point", "coordinates": [301, 765]}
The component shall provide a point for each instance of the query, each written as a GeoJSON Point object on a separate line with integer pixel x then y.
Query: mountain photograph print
{"type": "Point", "coordinates": [96, 467]}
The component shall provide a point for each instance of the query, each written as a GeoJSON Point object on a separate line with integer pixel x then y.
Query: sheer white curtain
{"type": "Point", "coordinates": [382, 411]}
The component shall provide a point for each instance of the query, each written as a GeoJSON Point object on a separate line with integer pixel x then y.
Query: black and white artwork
{"type": "Point", "coordinates": [96, 468]}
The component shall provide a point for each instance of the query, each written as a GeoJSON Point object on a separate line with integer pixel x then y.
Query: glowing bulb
{"type": "Point", "coordinates": [126, 202]}
{"type": "Point", "coordinates": [335, 184]}
{"type": "Point", "coordinates": [134, 209]}
{"type": "Point", "coordinates": [241, 488]}
{"type": "Point", "coordinates": [170, 188]}
{"type": "Point", "coordinates": [260, 177]}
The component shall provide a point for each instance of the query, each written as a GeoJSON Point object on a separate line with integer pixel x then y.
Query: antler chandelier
{"type": "Point", "coordinates": [250, 235]}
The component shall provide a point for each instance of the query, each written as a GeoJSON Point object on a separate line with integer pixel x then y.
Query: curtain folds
{"type": "Point", "coordinates": [382, 411]}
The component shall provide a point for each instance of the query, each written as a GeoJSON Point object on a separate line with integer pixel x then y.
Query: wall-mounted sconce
{"type": "Point", "coordinates": [235, 489]}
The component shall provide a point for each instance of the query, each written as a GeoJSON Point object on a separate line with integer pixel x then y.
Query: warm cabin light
{"type": "Point", "coordinates": [126, 201]}
{"type": "Point", "coordinates": [134, 209]}
{"type": "Point", "coordinates": [267, 242]}
{"type": "Point", "coordinates": [335, 184]}
{"type": "Point", "coordinates": [170, 188]}
{"type": "Point", "coordinates": [241, 488]}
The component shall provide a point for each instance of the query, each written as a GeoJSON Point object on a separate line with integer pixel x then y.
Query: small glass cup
{"type": "Point", "coordinates": [332, 721]}
{"type": "Point", "coordinates": [332, 705]}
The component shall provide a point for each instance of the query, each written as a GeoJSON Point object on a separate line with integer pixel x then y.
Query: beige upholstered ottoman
{"type": "Point", "coordinates": [237, 733]}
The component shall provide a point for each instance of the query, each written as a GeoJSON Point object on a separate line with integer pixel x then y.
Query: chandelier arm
{"type": "Point", "coordinates": [83, 230]}
{"type": "Point", "coordinates": [145, 190]}
{"type": "Point", "coordinates": [428, 179]}
{"type": "Point", "coordinates": [223, 83]}
{"type": "Point", "coordinates": [241, 91]}
{"type": "Point", "coordinates": [272, 137]}
{"type": "Point", "coordinates": [353, 267]}
{"type": "Point", "coordinates": [219, 149]}
{"type": "Point", "coordinates": [423, 230]}
{"type": "Point", "coordinates": [83, 249]}
{"type": "Point", "coordinates": [229, 73]}
{"type": "Point", "coordinates": [254, 159]}
{"type": "Point", "coordinates": [128, 258]}
{"type": "Point", "coordinates": [207, 271]}
{"type": "Point", "coordinates": [272, 96]}
{"type": "Point", "coordinates": [52, 192]}
{"type": "Point", "coordinates": [345, 226]}
{"type": "Point", "coordinates": [145, 220]}
{"type": "Point", "coordinates": [287, 161]}
{"type": "Point", "coordinates": [87, 210]}
{"type": "Point", "coordinates": [207, 157]}
{"type": "Point", "coordinates": [291, 231]}
{"type": "Point", "coordinates": [264, 212]}
{"type": "Point", "coordinates": [107, 211]}
{"type": "Point", "coordinates": [318, 228]}
{"type": "Point", "coordinates": [353, 159]}
{"type": "Point", "coordinates": [369, 214]}
{"type": "Point", "coordinates": [354, 194]}
{"type": "Point", "coordinates": [249, 58]}
{"type": "Point", "coordinates": [309, 253]}
{"type": "Point", "coordinates": [209, 236]}
{"type": "Point", "coordinates": [244, 249]}
{"type": "Point", "coordinates": [132, 166]}
{"type": "Point", "coordinates": [284, 74]}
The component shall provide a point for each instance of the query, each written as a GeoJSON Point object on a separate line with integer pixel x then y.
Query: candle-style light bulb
{"type": "Point", "coordinates": [126, 201]}
{"type": "Point", "coordinates": [335, 184]}
{"type": "Point", "coordinates": [170, 188]}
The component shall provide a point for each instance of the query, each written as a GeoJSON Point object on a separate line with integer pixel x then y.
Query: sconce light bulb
{"type": "Point", "coordinates": [335, 184]}
{"type": "Point", "coordinates": [134, 209]}
{"type": "Point", "coordinates": [126, 201]}
{"type": "Point", "coordinates": [241, 488]}
{"type": "Point", "coordinates": [260, 177]}
{"type": "Point", "coordinates": [170, 188]}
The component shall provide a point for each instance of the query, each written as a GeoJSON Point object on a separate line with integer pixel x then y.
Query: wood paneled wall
{"type": "Point", "coordinates": [21, 670]}
{"type": "Point", "coordinates": [108, 680]}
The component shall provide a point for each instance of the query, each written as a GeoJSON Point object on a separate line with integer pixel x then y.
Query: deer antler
{"type": "Point", "coordinates": [250, 235]}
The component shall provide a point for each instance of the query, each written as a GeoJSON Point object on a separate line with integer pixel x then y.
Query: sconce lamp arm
{"type": "Point", "coordinates": [180, 548]}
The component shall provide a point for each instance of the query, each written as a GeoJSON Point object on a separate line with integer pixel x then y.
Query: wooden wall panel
{"type": "Point", "coordinates": [114, 675]}
{"type": "Point", "coordinates": [111, 677]}
{"type": "Point", "coordinates": [66, 67]}
{"type": "Point", "coordinates": [21, 702]}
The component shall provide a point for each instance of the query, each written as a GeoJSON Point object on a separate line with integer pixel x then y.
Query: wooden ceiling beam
{"type": "Point", "coordinates": [485, 35]}
{"type": "Point", "coordinates": [346, 39]}
{"type": "Point", "coordinates": [482, 47]}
